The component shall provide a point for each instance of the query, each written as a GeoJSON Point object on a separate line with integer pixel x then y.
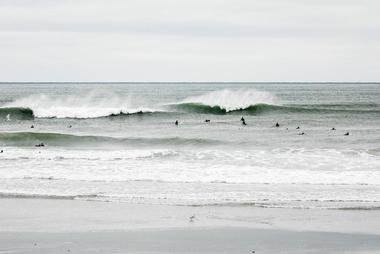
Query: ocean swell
{"type": "Point", "coordinates": [61, 139]}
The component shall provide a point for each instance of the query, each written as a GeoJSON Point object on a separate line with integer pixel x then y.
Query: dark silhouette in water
{"type": "Point", "coordinates": [298, 128]}
{"type": "Point", "coordinates": [176, 122]}
{"type": "Point", "coordinates": [346, 134]}
{"type": "Point", "coordinates": [244, 123]}
{"type": "Point", "coordinates": [207, 120]}
{"type": "Point", "coordinates": [302, 133]}
{"type": "Point", "coordinates": [32, 126]}
{"type": "Point", "coordinates": [1, 151]}
{"type": "Point", "coordinates": [40, 145]}
{"type": "Point", "coordinates": [277, 125]}
{"type": "Point", "coordinates": [69, 126]}
{"type": "Point", "coordinates": [242, 119]}
{"type": "Point", "coordinates": [333, 129]}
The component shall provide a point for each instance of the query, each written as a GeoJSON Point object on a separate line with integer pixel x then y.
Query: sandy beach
{"type": "Point", "coordinates": [74, 226]}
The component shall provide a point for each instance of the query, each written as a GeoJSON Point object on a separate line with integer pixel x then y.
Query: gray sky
{"type": "Point", "coordinates": [189, 40]}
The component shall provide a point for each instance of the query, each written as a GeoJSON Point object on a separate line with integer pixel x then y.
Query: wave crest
{"type": "Point", "coordinates": [18, 113]}
{"type": "Point", "coordinates": [231, 100]}
{"type": "Point", "coordinates": [93, 105]}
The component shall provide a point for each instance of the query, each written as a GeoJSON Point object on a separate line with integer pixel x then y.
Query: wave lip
{"type": "Point", "coordinates": [93, 105]}
{"type": "Point", "coordinates": [267, 108]}
{"type": "Point", "coordinates": [16, 113]}
{"type": "Point", "coordinates": [231, 100]}
{"type": "Point", "coordinates": [218, 110]}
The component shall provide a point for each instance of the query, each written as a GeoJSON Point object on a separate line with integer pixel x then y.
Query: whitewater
{"type": "Point", "coordinates": [118, 142]}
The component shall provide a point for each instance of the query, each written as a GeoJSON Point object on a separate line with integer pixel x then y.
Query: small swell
{"type": "Point", "coordinates": [61, 139]}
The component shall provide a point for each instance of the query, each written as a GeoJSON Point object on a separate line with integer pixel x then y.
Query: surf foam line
{"type": "Point", "coordinates": [61, 139]}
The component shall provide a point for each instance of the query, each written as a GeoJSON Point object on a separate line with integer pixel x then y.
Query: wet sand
{"type": "Point", "coordinates": [73, 226]}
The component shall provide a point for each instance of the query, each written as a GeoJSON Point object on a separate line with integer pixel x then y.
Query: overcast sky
{"type": "Point", "coordinates": [189, 40]}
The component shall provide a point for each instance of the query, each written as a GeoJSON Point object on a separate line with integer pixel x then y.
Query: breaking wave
{"type": "Point", "coordinates": [247, 101]}
{"type": "Point", "coordinates": [93, 105]}
{"type": "Point", "coordinates": [16, 113]}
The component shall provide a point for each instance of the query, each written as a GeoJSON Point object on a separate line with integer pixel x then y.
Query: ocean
{"type": "Point", "coordinates": [118, 142]}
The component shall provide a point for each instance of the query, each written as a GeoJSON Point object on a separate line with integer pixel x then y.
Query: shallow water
{"type": "Point", "coordinates": [118, 142]}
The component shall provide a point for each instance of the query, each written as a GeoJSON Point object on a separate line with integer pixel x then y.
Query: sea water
{"type": "Point", "coordinates": [118, 142]}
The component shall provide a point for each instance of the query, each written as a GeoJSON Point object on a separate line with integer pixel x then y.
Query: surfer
{"type": "Point", "coordinates": [1, 151]}
{"type": "Point", "coordinates": [32, 126]}
{"type": "Point", "coordinates": [277, 125]}
{"type": "Point", "coordinates": [207, 120]}
{"type": "Point", "coordinates": [347, 134]}
{"type": "Point", "coordinates": [176, 122]}
{"type": "Point", "coordinates": [242, 119]}
{"type": "Point", "coordinates": [40, 145]}
{"type": "Point", "coordinates": [243, 122]}
{"type": "Point", "coordinates": [333, 129]}
{"type": "Point", "coordinates": [298, 128]}
{"type": "Point", "coordinates": [302, 133]}
{"type": "Point", "coordinates": [70, 126]}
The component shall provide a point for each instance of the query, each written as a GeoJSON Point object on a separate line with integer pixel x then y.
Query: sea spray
{"type": "Point", "coordinates": [231, 100]}
{"type": "Point", "coordinates": [94, 104]}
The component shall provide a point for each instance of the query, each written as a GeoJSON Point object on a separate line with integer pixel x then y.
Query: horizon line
{"type": "Point", "coordinates": [190, 82]}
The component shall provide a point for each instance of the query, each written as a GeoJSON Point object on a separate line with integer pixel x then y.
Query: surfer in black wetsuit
{"type": "Point", "coordinates": [347, 134]}
{"type": "Point", "coordinates": [207, 120]}
{"type": "Point", "coordinates": [242, 119]}
{"type": "Point", "coordinates": [176, 122]}
{"type": "Point", "coordinates": [243, 122]}
{"type": "Point", "coordinates": [277, 125]}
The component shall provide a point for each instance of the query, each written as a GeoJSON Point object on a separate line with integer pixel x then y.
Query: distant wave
{"type": "Point", "coordinates": [95, 105]}
{"type": "Point", "coordinates": [20, 113]}
{"type": "Point", "coordinates": [61, 139]}
{"type": "Point", "coordinates": [227, 100]}
{"type": "Point", "coordinates": [266, 108]}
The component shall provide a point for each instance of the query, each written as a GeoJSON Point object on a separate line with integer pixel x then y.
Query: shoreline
{"type": "Point", "coordinates": [109, 227]}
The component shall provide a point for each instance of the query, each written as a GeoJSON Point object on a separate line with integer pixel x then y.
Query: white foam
{"type": "Point", "coordinates": [99, 104]}
{"type": "Point", "coordinates": [233, 99]}
{"type": "Point", "coordinates": [94, 104]}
